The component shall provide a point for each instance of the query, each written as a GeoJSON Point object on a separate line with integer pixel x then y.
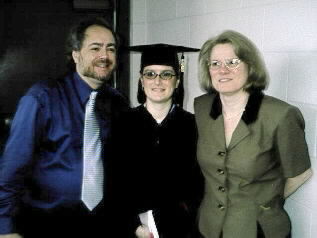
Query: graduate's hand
{"type": "Point", "coordinates": [14, 235]}
{"type": "Point", "coordinates": [142, 232]}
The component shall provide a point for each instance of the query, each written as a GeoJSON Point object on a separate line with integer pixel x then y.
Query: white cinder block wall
{"type": "Point", "coordinates": [285, 31]}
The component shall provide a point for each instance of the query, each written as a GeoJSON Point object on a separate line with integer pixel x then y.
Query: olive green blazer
{"type": "Point", "coordinates": [244, 182]}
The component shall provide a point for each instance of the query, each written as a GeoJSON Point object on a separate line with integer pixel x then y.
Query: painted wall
{"type": "Point", "coordinates": [285, 31]}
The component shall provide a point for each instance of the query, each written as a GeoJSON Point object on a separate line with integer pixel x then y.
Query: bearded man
{"type": "Point", "coordinates": [55, 172]}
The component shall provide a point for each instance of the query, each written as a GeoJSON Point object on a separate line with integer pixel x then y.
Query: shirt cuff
{"type": "Point", "coordinates": [6, 225]}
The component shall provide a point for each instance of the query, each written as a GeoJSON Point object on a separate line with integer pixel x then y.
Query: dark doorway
{"type": "Point", "coordinates": [32, 40]}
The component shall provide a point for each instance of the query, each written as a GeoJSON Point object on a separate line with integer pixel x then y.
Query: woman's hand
{"type": "Point", "coordinates": [143, 232]}
{"type": "Point", "coordinates": [292, 184]}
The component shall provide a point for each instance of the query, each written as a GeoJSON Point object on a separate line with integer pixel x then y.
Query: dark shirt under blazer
{"type": "Point", "coordinates": [245, 181]}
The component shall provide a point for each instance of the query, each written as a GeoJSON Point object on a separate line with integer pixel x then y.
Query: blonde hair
{"type": "Point", "coordinates": [258, 78]}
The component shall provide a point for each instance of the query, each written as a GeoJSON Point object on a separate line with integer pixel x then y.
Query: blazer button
{"type": "Point", "coordinates": [220, 171]}
{"type": "Point", "coordinates": [221, 207]}
{"type": "Point", "coordinates": [221, 189]}
{"type": "Point", "coordinates": [221, 153]}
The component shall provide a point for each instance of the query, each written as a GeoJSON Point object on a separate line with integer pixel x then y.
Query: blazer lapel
{"type": "Point", "coordinates": [249, 116]}
{"type": "Point", "coordinates": [215, 126]}
{"type": "Point", "coordinates": [217, 130]}
{"type": "Point", "coordinates": [241, 132]}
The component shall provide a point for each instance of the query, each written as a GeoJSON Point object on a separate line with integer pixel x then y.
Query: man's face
{"type": "Point", "coordinates": [96, 60]}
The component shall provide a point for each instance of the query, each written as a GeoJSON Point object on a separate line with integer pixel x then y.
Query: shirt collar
{"type": "Point", "coordinates": [170, 112]}
{"type": "Point", "coordinates": [83, 89]}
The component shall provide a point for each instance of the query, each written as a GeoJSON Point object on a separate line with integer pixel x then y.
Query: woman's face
{"type": "Point", "coordinates": [228, 73]}
{"type": "Point", "coordinates": [156, 88]}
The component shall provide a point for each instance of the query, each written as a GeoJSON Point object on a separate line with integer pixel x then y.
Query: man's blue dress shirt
{"type": "Point", "coordinates": [43, 155]}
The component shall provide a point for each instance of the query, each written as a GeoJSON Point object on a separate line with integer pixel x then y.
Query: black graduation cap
{"type": "Point", "coordinates": [165, 54]}
{"type": "Point", "coordinates": [161, 54]}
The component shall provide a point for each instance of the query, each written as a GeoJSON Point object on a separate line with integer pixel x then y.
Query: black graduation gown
{"type": "Point", "coordinates": [161, 171]}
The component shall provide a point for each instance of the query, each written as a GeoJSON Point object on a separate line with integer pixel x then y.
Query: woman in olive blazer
{"type": "Point", "coordinates": [251, 147]}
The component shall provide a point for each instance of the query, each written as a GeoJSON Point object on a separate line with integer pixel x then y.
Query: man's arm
{"type": "Point", "coordinates": [16, 159]}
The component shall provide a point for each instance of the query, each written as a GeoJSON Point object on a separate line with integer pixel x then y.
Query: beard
{"type": "Point", "coordinates": [107, 64]}
{"type": "Point", "coordinates": [91, 74]}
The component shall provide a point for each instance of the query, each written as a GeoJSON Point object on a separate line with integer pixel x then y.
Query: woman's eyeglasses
{"type": "Point", "coordinates": [165, 75]}
{"type": "Point", "coordinates": [231, 64]}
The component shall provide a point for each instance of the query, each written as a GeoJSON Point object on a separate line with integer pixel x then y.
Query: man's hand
{"type": "Point", "coordinates": [14, 235]}
{"type": "Point", "coordinates": [142, 232]}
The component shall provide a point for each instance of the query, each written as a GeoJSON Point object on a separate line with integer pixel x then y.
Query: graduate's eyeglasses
{"type": "Point", "coordinates": [165, 75]}
{"type": "Point", "coordinates": [231, 64]}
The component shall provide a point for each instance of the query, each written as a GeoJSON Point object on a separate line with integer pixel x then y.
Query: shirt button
{"type": "Point", "coordinates": [221, 189]}
{"type": "Point", "coordinates": [220, 171]}
{"type": "Point", "coordinates": [221, 153]}
{"type": "Point", "coordinates": [221, 207]}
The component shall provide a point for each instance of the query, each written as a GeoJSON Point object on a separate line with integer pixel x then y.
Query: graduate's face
{"type": "Point", "coordinates": [96, 60]}
{"type": "Point", "coordinates": [159, 89]}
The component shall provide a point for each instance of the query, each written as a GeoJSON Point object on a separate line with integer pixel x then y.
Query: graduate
{"type": "Point", "coordinates": [163, 179]}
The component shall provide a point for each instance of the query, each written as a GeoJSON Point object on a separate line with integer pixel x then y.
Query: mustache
{"type": "Point", "coordinates": [105, 61]}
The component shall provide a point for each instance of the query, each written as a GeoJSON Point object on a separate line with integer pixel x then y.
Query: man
{"type": "Point", "coordinates": [55, 178]}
